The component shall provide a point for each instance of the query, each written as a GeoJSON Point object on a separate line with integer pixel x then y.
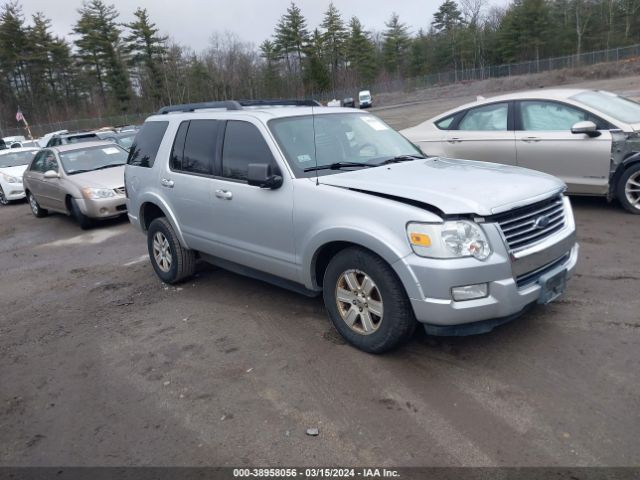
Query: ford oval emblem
{"type": "Point", "coordinates": [542, 222]}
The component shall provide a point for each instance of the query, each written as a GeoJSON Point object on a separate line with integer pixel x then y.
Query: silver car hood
{"type": "Point", "coordinates": [108, 178]}
{"type": "Point", "coordinates": [453, 186]}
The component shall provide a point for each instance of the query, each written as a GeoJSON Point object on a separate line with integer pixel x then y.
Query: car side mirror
{"type": "Point", "coordinates": [261, 175]}
{"type": "Point", "coordinates": [51, 174]}
{"type": "Point", "coordinates": [587, 127]}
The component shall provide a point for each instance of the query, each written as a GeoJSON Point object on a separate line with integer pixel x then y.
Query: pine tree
{"type": "Point", "coordinates": [361, 52]}
{"type": "Point", "coordinates": [14, 48]}
{"type": "Point", "coordinates": [99, 48]}
{"type": "Point", "coordinates": [146, 49]}
{"type": "Point", "coordinates": [316, 76]}
{"type": "Point", "coordinates": [334, 39]}
{"type": "Point", "coordinates": [271, 78]}
{"type": "Point", "coordinates": [395, 47]}
{"type": "Point", "coordinates": [291, 37]}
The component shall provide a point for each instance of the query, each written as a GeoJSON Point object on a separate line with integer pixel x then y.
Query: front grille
{"type": "Point", "coordinates": [533, 276]}
{"type": "Point", "coordinates": [526, 226]}
{"type": "Point", "coordinates": [121, 208]}
{"type": "Point", "coordinates": [119, 190]}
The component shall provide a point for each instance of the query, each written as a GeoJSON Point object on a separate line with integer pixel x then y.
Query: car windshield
{"type": "Point", "coordinates": [615, 106]}
{"type": "Point", "coordinates": [15, 159]}
{"type": "Point", "coordinates": [340, 138]}
{"type": "Point", "coordinates": [126, 141]}
{"type": "Point", "coordinates": [83, 138]}
{"type": "Point", "coordinates": [92, 158]}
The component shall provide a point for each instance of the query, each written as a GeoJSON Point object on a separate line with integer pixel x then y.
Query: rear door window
{"type": "Point", "coordinates": [200, 147]}
{"type": "Point", "coordinates": [243, 144]}
{"type": "Point", "coordinates": [145, 147]}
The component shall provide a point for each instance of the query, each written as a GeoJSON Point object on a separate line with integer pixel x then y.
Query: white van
{"type": "Point", "coordinates": [364, 99]}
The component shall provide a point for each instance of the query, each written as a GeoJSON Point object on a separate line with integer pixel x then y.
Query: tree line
{"type": "Point", "coordinates": [106, 67]}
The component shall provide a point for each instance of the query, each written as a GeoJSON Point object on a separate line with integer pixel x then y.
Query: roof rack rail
{"type": "Point", "coordinates": [280, 103]}
{"type": "Point", "coordinates": [190, 107]}
{"type": "Point", "coordinates": [238, 105]}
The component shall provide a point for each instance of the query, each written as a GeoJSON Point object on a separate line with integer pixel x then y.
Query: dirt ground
{"type": "Point", "coordinates": [102, 364]}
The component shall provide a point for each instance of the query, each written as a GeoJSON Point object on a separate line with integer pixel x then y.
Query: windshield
{"type": "Point", "coordinates": [15, 159]}
{"type": "Point", "coordinates": [615, 106]}
{"type": "Point", "coordinates": [83, 138]}
{"type": "Point", "coordinates": [126, 141]}
{"type": "Point", "coordinates": [339, 138]}
{"type": "Point", "coordinates": [93, 158]}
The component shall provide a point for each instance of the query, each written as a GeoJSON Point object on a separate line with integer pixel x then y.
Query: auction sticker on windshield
{"type": "Point", "coordinates": [110, 150]}
{"type": "Point", "coordinates": [374, 123]}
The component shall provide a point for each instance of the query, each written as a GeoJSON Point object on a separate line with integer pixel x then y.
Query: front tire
{"type": "Point", "coordinates": [628, 189]}
{"type": "Point", "coordinates": [84, 221]}
{"type": "Point", "coordinates": [366, 301]}
{"type": "Point", "coordinates": [36, 209]}
{"type": "Point", "coordinates": [171, 261]}
{"type": "Point", "coordinates": [3, 198]}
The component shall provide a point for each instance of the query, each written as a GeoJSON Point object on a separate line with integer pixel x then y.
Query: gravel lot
{"type": "Point", "coordinates": [102, 364]}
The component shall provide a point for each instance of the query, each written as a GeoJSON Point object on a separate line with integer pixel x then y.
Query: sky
{"type": "Point", "coordinates": [192, 22]}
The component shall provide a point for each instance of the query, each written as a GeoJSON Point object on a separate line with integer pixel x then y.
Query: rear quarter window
{"type": "Point", "coordinates": [445, 123]}
{"type": "Point", "coordinates": [146, 144]}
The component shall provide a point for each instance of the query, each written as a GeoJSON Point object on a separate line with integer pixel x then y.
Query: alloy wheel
{"type": "Point", "coordinates": [33, 204]}
{"type": "Point", "coordinates": [632, 190]}
{"type": "Point", "coordinates": [162, 252]}
{"type": "Point", "coordinates": [359, 302]}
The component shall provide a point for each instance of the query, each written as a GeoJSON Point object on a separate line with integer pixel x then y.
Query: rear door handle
{"type": "Point", "coordinates": [224, 194]}
{"type": "Point", "coordinates": [531, 139]}
{"type": "Point", "coordinates": [165, 182]}
{"type": "Point", "coordinates": [454, 140]}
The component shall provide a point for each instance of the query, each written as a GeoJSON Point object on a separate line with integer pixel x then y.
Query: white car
{"type": "Point", "coordinates": [13, 163]}
{"type": "Point", "coordinates": [588, 138]}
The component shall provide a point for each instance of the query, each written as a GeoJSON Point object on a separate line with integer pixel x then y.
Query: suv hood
{"type": "Point", "coordinates": [108, 178]}
{"type": "Point", "coordinates": [453, 186]}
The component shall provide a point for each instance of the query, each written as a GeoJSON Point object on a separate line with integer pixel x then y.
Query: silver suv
{"type": "Point", "coordinates": [333, 201]}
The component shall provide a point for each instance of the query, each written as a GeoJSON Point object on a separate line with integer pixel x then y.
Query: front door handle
{"type": "Point", "coordinates": [454, 140]}
{"type": "Point", "coordinates": [224, 194]}
{"type": "Point", "coordinates": [531, 139]}
{"type": "Point", "coordinates": [165, 182]}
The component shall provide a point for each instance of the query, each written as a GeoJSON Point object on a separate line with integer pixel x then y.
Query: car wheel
{"type": "Point", "coordinates": [366, 301]}
{"type": "Point", "coordinates": [3, 198]}
{"type": "Point", "coordinates": [171, 261]}
{"type": "Point", "coordinates": [629, 189]}
{"type": "Point", "coordinates": [84, 221]}
{"type": "Point", "coordinates": [36, 209]}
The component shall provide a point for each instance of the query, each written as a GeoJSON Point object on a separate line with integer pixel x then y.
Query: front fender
{"type": "Point", "coordinates": [382, 242]}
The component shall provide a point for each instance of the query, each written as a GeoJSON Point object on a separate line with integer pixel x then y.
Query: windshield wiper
{"type": "Point", "coordinates": [73, 172]}
{"type": "Point", "coordinates": [109, 166]}
{"type": "Point", "coordinates": [400, 158]}
{"type": "Point", "coordinates": [337, 166]}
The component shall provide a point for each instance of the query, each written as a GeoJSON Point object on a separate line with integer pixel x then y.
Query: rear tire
{"type": "Point", "coordinates": [171, 261]}
{"type": "Point", "coordinates": [36, 209]}
{"type": "Point", "coordinates": [84, 221]}
{"type": "Point", "coordinates": [628, 189]}
{"type": "Point", "coordinates": [366, 301]}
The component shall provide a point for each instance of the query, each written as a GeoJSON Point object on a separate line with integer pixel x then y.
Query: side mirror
{"type": "Point", "coordinates": [260, 175]}
{"type": "Point", "coordinates": [587, 127]}
{"type": "Point", "coordinates": [51, 174]}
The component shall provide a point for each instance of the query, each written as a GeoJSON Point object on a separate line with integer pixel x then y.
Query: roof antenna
{"type": "Point", "coordinates": [315, 148]}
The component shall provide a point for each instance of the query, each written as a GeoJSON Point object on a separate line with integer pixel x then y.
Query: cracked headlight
{"type": "Point", "coordinates": [97, 193]}
{"type": "Point", "coordinates": [454, 239]}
